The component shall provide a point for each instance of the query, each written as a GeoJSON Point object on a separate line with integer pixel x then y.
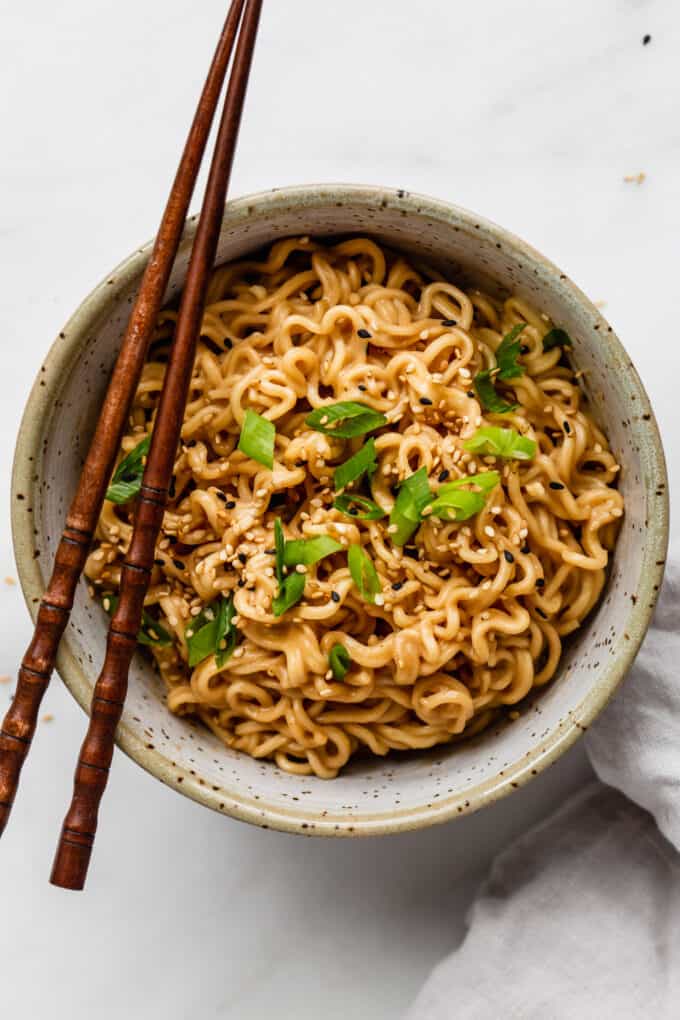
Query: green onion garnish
{"type": "Point", "coordinates": [309, 550]}
{"type": "Point", "coordinates": [348, 502]}
{"type": "Point", "coordinates": [364, 574]}
{"type": "Point", "coordinates": [150, 632]}
{"type": "Point", "coordinates": [508, 352]}
{"type": "Point", "coordinates": [455, 502]}
{"type": "Point", "coordinates": [413, 496]}
{"type": "Point", "coordinates": [507, 367]}
{"type": "Point", "coordinates": [127, 478]}
{"type": "Point", "coordinates": [289, 594]}
{"type": "Point", "coordinates": [257, 438]}
{"type": "Point", "coordinates": [488, 398]}
{"type": "Point", "coordinates": [339, 660]}
{"type": "Point", "coordinates": [362, 461]}
{"type": "Point", "coordinates": [498, 442]}
{"type": "Point", "coordinates": [212, 632]}
{"type": "Point", "coordinates": [556, 337]}
{"type": "Point", "coordinates": [289, 554]}
{"type": "Point", "coordinates": [279, 543]}
{"type": "Point", "coordinates": [346, 419]}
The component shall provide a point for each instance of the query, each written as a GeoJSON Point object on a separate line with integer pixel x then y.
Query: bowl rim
{"type": "Point", "coordinates": [47, 387]}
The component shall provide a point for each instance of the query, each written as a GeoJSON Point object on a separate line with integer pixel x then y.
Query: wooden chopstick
{"type": "Point", "coordinates": [20, 721]}
{"type": "Point", "coordinates": [78, 832]}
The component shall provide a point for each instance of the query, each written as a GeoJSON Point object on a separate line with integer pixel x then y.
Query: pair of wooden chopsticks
{"type": "Point", "coordinates": [78, 832]}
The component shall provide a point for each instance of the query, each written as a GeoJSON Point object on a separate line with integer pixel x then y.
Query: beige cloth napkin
{"type": "Point", "coordinates": [580, 918]}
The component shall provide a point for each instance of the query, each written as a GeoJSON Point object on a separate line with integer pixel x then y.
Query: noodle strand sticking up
{"type": "Point", "coordinates": [389, 507]}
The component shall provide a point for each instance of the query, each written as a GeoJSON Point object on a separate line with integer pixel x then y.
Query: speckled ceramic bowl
{"type": "Point", "coordinates": [402, 791]}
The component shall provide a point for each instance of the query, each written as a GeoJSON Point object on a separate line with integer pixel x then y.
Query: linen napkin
{"type": "Point", "coordinates": [580, 918]}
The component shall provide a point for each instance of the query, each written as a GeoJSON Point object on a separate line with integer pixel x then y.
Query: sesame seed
{"type": "Point", "coordinates": [397, 586]}
{"type": "Point", "coordinates": [444, 475]}
{"type": "Point", "coordinates": [380, 600]}
{"type": "Point", "coordinates": [540, 582]}
{"type": "Point", "coordinates": [335, 596]}
{"type": "Point", "coordinates": [555, 485]}
{"type": "Point", "coordinates": [301, 568]}
{"type": "Point", "coordinates": [230, 504]}
{"type": "Point", "coordinates": [364, 334]}
{"type": "Point", "coordinates": [448, 322]}
{"type": "Point", "coordinates": [508, 556]}
{"type": "Point", "coordinates": [488, 530]}
{"type": "Point", "coordinates": [567, 427]}
{"type": "Point", "coordinates": [464, 372]}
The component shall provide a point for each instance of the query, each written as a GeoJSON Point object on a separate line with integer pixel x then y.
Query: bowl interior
{"type": "Point", "coordinates": [402, 791]}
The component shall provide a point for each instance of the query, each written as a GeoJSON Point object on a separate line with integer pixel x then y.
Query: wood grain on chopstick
{"type": "Point", "coordinates": [78, 832]}
{"type": "Point", "coordinates": [20, 721]}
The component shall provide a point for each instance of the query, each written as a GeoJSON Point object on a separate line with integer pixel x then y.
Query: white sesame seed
{"type": "Point", "coordinates": [488, 530]}
{"type": "Point", "coordinates": [380, 600]}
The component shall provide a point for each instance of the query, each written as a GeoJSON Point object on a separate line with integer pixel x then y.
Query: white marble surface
{"type": "Point", "coordinates": [531, 114]}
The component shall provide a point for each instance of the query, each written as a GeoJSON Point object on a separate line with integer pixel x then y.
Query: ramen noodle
{"type": "Point", "coordinates": [389, 507]}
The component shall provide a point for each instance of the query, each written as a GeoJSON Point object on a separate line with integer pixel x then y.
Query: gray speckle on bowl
{"type": "Point", "coordinates": [377, 795]}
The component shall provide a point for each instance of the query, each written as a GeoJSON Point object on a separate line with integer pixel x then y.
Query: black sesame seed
{"type": "Point", "coordinates": [364, 334]}
{"type": "Point", "coordinates": [525, 549]}
{"type": "Point", "coordinates": [172, 492]}
{"type": "Point", "coordinates": [524, 349]}
{"type": "Point", "coordinates": [555, 485]}
{"type": "Point", "coordinates": [567, 427]}
{"type": "Point", "coordinates": [221, 495]}
{"type": "Point", "coordinates": [508, 556]}
{"type": "Point", "coordinates": [540, 583]}
{"type": "Point", "coordinates": [299, 463]}
{"type": "Point", "coordinates": [541, 613]}
{"type": "Point", "coordinates": [646, 39]}
{"type": "Point", "coordinates": [444, 475]}
{"type": "Point", "coordinates": [397, 586]}
{"type": "Point", "coordinates": [159, 562]}
{"type": "Point", "coordinates": [448, 322]}
{"type": "Point", "coordinates": [190, 442]}
{"type": "Point", "coordinates": [242, 558]}
{"type": "Point", "coordinates": [471, 394]}
{"type": "Point", "coordinates": [335, 596]}
{"type": "Point", "coordinates": [353, 511]}
{"type": "Point", "coordinates": [270, 552]}
{"type": "Point", "coordinates": [362, 387]}
{"type": "Point", "coordinates": [230, 504]}
{"type": "Point", "coordinates": [426, 401]}
{"type": "Point", "coordinates": [172, 539]}
{"type": "Point", "coordinates": [241, 582]}
{"type": "Point", "coordinates": [179, 565]}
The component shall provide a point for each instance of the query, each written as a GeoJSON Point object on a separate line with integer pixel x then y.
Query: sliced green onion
{"type": "Point", "coordinates": [127, 478]}
{"type": "Point", "coordinates": [488, 398]}
{"type": "Point", "coordinates": [279, 543]}
{"type": "Point", "coordinates": [485, 480]}
{"type": "Point", "coordinates": [508, 352]}
{"type": "Point", "coordinates": [289, 594]}
{"type": "Point", "coordinates": [150, 632]}
{"type": "Point", "coordinates": [364, 574]}
{"type": "Point", "coordinates": [494, 441]}
{"type": "Point", "coordinates": [413, 496]}
{"type": "Point", "coordinates": [362, 461]}
{"type": "Point", "coordinates": [346, 419]}
{"type": "Point", "coordinates": [347, 501]}
{"type": "Point", "coordinates": [309, 550]}
{"type": "Point", "coordinates": [556, 337]}
{"type": "Point", "coordinates": [212, 632]}
{"type": "Point", "coordinates": [257, 438]}
{"type": "Point", "coordinates": [455, 502]}
{"type": "Point", "coordinates": [507, 367]}
{"type": "Point", "coordinates": [339, 660]}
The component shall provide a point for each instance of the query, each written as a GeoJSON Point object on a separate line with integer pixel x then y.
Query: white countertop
{"type": "Point", "coordinates": [530, 114]}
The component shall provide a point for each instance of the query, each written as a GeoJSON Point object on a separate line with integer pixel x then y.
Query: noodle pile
{"type": "Point", "coordinates": [470, 615]}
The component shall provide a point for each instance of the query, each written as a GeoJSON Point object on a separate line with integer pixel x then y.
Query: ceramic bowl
{"type": "Point", "coordinates": [404, 791]}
